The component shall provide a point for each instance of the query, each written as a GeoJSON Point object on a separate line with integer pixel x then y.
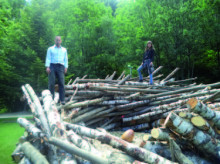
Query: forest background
{"type": "Point", "coordinates": [102, 36]}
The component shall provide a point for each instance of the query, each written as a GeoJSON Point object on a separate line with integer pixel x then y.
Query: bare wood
{"type": "Point", "coordinates": [122, 74]}
{"type": "Point", "coordinates": [170, 75]}
{"type": "Point", "coordinates": [112, 76]}
{"type": "Point", "coordinates": [123, 80]}
{"type": "Point", "coordinates": [202, 124]}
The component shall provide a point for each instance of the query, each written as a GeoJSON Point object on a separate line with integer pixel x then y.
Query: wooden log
{"type": "Point", "coordinates": [160, 134]}
{"type": "Point", "coordinates": [158, 148]}
{"type": "Point", "coordinates": [127, 89]}
{"type": "Point", "coordinates": [30, 128]}
{"type": "Point", "coordinates": [186, 115]}
{"type": "Point", "coordinates": [177, 153]}
{"type": "Point", "coordinates": [39, 110]}
{"type": "Point", "coordinates": [33, 154]}
{"type": "Point", "coordinates": [75, 81]}
{"type": "Point", "coordinates": [81, 143]}
{"type": "Point", "coordinates": [17, 155]}
{"type": "Point", "coordinates": [201, 140]}
{"type": "Point", "coordinates": [54, 119]}
{"type": "Point", "coordinates": [112, 76]}
{"type": "Point", "coordinates": [88, 115]}
{"type": "Point", "coordinates": [180, 81]}
{"type": "Point", "coordinates": [170, 75]}
{"type": "Point", "coordinates": [203, 125]}
{"type": "Point", "coordinates": [213, 97]}
{"type": "Point", "coordinates": [139, 127]}
{"type": "Point", "coordinates": [158, 123]}
{"type": "Point", "coordinates": [156, 71]}
{"type": "Point", "coordinates": [200, 108]}
{"type": "Point", "coordinates": [70, 148]}
{"type": "Point", "coordinates": [116, 142]}
{"type": "Point", "coordinates": [123, 80]}
{"type": "Point", "coordinates": [84, 93]}
{"type": "Point", "coordinates": [83, 103]}
{"type": "Point", "coordinates": [122, 74]}
{"type": "Point", "coordinates": [30, 103]}
{"type": "Point", "coordinates": [194, 88]}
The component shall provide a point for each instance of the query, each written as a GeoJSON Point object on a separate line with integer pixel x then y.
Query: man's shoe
{"type": "Point", "coordinates": [140, 81]}
{"type": "Point", "coordinates": [63, 102]}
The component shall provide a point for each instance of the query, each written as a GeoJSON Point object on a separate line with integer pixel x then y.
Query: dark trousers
{"type": "Point", "coordinates": [57, 71]}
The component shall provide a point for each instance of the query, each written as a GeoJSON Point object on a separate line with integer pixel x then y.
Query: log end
{"type": "Point", "coordinates": [128, 135]}
{"type": "Point", "coordinates": [192, 103]}
{"type": "Point", "coordinates": [182, 114]}
{"type": "Point", "coordinates": [198, 121]}
{"type": "Point", "coordinates": [155, 133]}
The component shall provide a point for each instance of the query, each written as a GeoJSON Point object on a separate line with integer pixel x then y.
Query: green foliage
{"type": "Point", "coordinates": [9, 136]}
{"type": "Point", "coordinates": [103, 36]}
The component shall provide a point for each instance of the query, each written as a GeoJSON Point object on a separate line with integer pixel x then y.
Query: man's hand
{"type": "Point", "coordinates": [151, 63]}
{"type": "Point", "coordinates": [48, 70]}
{"type": "Point", "coordinates": [65, 71]}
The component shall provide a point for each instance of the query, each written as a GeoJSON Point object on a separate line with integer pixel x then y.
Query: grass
{"type": "Point", "coordinates": [10, 132]}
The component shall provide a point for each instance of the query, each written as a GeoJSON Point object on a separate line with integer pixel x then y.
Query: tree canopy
{"type": "Point", "coordinates": [102, 36]}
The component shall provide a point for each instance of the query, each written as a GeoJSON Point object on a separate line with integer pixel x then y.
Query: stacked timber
{"type": "Point", "coordinates": [182, 117]}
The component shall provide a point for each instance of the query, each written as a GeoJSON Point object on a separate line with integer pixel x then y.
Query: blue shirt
{"type": "Point", "coordinates": [57, 55]}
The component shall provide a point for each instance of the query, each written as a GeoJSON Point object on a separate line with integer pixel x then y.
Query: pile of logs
{"type": "Point", "coordinates": [182, 117]}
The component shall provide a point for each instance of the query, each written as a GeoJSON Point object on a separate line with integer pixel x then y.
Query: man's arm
{"type": "Point", "coordinates": [66, 61]}
{"type": "Point", "coordinates": [47, 62]}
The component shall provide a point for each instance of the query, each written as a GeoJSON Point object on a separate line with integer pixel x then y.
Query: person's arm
{"type": "Point", "coordinates": [152, 57]}
{"type": "Point", "coordinates": [48, 60]}
{"type": "Point", "coordinates": [66, 61]}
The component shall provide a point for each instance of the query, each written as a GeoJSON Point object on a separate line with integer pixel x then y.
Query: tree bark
{"type": "Point", "coordinates": [116, 142]}
{"type": "Point", "coordinates": [33, 154]}
{"type": "Point", "coordinates": [201, 109]}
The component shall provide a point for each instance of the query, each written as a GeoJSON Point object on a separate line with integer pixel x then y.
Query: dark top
{"type": "Point", "coordinates": [149, 54]}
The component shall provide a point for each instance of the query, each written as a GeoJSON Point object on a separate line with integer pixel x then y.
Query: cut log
{"type": "Point", "coordinates": [201, 140]}
{"type": "Point", "coordinates": [207, 113]}
{"type": "Point", "coordinates": [39, 110]}
{"type": "Point", "coordinates": [30, 128]}
{"type": "Point", "coordinates": [116, 142]}
{"type": "Point", "coordinates": [122, 74]}
{"type": "Point", "coordinates": [33, 154]}
{"type": "Point", "coordinates": [202, 124]}
{"type": "Point", "coordinates": [170, 75]}
{"type": "Point", "coordinates": [70, 148]}
{"type": "Point", "coordinates": [17, 155]}
{"type": "Point", "coordinates": [160, 134]}
{"type": "Point", "coordinates": [177, 153]}
{"type": "Point", "coordinates": [123, 80]}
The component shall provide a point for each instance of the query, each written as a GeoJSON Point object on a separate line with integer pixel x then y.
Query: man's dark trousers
{"type": "Point", "coordinates": [57, 71]}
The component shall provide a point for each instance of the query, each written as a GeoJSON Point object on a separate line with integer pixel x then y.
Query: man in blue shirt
{"type": "Point", "coordinates": [56, 66]}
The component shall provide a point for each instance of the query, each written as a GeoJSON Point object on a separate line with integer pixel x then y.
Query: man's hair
{"type": "Point", "coordinates": [57, 36]}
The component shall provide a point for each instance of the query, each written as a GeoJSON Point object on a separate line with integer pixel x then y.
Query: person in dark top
{"type": "Point", "coordinates": [147, 62]}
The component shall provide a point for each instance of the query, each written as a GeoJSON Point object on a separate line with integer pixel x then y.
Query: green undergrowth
{"type": "Point", "coordinates": [10, 132]}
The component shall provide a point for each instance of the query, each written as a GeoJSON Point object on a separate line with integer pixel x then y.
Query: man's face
{"type": "Point", "coordinates": [58, 41]}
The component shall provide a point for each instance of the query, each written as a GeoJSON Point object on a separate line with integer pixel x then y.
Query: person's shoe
{"type": "Point", "coordinates": [63, 102]}
{"type": "Point", "coordinates": [140, 81]}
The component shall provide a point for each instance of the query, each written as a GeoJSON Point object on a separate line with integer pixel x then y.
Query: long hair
{"type": "Point", "coordinates": [152, 46]}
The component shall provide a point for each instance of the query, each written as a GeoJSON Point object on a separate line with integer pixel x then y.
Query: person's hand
{"type": "Point", "coordinates": [142, 63]}
{"type": "Point", "coordinates": [151, 63]}
{"type": "Point", "coordinates": [48, 70]}
{"type": "Point", "coordinates": [65, 71]}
